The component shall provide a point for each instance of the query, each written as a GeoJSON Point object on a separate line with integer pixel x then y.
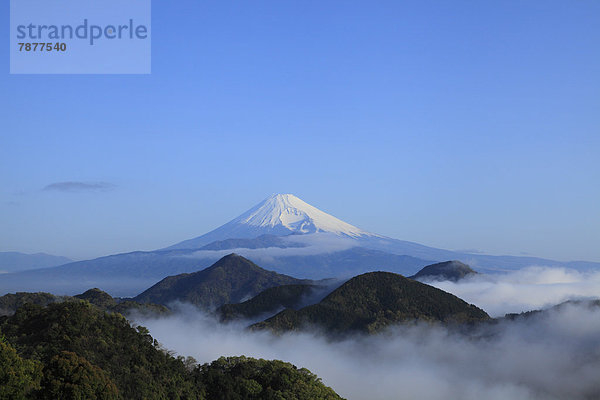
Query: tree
{"type": "Point", "coordinates": [18, 377]}
{"type": "Point", "coordinates": [230, 378]}
{"type": "Point", "coordinates": [68, 376]}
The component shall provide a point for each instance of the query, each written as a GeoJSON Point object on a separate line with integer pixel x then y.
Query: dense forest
{"type": "Point", "coordinates": [76, 350]}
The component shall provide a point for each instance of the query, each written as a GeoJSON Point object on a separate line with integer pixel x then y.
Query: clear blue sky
{"type": "Point", "coordinates": [461, 125]}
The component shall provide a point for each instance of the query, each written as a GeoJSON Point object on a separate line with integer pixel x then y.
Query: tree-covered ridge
{"type": "Point", "coordinates": [373, 301]}
{"type": "Point", "coordinates": [587, 303]}
{"type": "Point", "coordinates": [229, 280]}
{"type": "Point", "coordinates": [268, 301]}
{"type": "Point", "coordinates": [74, 350]}
{"type": "Point", "coordinates": [9, 303]}
{"type": "Point", "coordinates": [108, 303]}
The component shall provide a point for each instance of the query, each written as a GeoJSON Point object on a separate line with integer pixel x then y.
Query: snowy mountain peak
{"type": "Point", "coordinates": [279, 214]}
{"type": "Point", "coordinates": [297, 216]}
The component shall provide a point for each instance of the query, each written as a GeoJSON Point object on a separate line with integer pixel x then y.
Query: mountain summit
{"type": "Point", "coordinates": [229, 280]}
{"type": "Point", "coordinates": [280, 214]}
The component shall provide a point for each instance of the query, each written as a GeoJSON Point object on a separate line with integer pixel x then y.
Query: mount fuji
{"type": "Point", "coordinates": [283, 234]}
{"type": "Point", "coordinates": [278, 215]}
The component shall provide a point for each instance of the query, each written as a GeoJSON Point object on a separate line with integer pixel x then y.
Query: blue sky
{"type": "Point", "coordinates": [461, 125]}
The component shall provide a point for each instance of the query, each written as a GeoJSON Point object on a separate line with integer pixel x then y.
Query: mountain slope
{"type": "Point", "coordinates": [12, 261]}
{"type": "Point", "coordinates": [342, 264]}
{"type": "Point", "coordinates": [370, 302]}
{"type": "Point", "coordinates": [268, 301]}
{"type": "Point", "coordinates": [445, 271]}
{"type": "Point", "coordinates": [286, 214]}
{"type": "Point", "coordinates": [120, 274]}
{"type": "Point", "coordinates": [280, 215]}
{"type": "Point", "coordinates": [229, 280]}
{"type": "Point", "coordinates": [261, 242]}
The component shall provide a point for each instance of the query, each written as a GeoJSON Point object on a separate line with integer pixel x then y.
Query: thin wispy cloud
{"type": "Point", "coordinates": [470, 251]}
{"type": "Point", "coordinates": [75, 186]}
{"type": "Point", "coordinates": [313, 244]}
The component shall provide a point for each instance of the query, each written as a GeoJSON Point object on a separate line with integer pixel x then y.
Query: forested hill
{"type": "Point", "coordinates": [370, 302]}
{"type": "Point", "coordinates": [229, 280]}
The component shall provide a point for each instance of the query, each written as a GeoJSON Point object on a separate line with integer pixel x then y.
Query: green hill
{"type": "Point", "coordinates": [447, 271]}
{"type": "Point", "coordinates": [370, 302]}
{"type": "Point", "coordinates": [229, 280]}
{"type": "Point", "coordinates": [268, 301]}
{"type": "Point", "coordinates": [74, 350]}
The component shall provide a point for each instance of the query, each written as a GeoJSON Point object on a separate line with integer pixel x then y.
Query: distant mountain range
{"type": "Point", "coordinates": [282, 233]}
{"type": "Point", "coordinates": [12, 261]}
{"type": "Point", "coordinates": [235, 288]}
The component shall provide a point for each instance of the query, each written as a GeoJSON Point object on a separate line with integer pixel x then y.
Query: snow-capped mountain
{"type": "Point", "coordinates": [280, 214]}
{"type": "Point", "coordinates": [295, 215]}
{"type": "Point", "coordinates": [282, 234]}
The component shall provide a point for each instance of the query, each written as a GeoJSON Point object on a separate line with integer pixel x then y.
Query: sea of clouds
{"type": "Point", "coordinates": [525, 289]}
{"type": "Point", "coordinates": [554, 355]}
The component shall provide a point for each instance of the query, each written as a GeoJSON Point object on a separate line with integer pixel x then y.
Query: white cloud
{"type": "Point", "coordinates": [318, 243]}
{"type": "Point", "coordinates": [525, 289]}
